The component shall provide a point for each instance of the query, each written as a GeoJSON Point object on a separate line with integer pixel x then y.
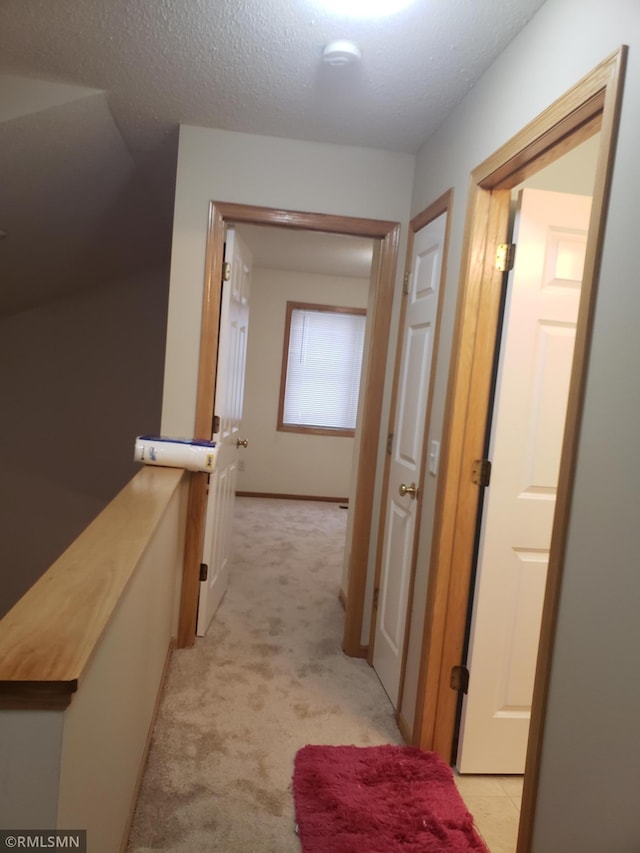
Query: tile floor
{"type": "Point", "coordinates": [494, 802]}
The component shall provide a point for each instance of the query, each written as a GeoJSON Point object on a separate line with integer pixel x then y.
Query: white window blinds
{"type": "Point", "coordinates": [324, 363]}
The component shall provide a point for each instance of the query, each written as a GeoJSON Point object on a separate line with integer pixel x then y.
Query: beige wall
{"type": "Point", "coordinates": [591, 751]}
{"type": "Point", "coordinates": [280, 173]}
{"type": "Point", "coordinates": [259, 170]}
{"type": "Point", "coordinates": [79, 379]}
{"type": "Point", "coordinates": [285, 462]}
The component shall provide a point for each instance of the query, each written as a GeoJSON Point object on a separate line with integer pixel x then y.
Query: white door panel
{"type": "Point", "coordinates": [392, 594]}
{"type": "Point", "coordinates": [406, 466]}
{"type": "Point", "coordinates": [232, 350]}
{"type": "Point", "coordinates": [525, 450]}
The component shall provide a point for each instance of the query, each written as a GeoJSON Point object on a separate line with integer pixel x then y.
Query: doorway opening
{"type": "Point", "coordinates": [307, 293]}
{"type": "Point", "coordinates": [386, 236]}
{"type": "Point", "coordinates": [591, 106]}
{"type": "Point", "coordinates": [525, 423]}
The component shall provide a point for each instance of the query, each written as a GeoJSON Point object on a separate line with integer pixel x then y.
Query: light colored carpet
{"type": "Point", "coordinates": [268, 678]}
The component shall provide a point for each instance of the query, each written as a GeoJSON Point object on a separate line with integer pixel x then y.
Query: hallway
{"type": "Point", "coordinates": [268, 678]}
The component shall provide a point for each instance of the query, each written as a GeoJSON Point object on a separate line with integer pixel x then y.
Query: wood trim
{"type": "Point", "coordinates": [326, 431]}
{"type": "Point", "coordinates": [602, 187]}
{"type": "Point", "coordinates": [197, 500]}
{"type": "Point", "coordinates": [283, 497]}
{"type": "Point", "coordinates": [458, 497]}
{"type": "Point", "coordinates": [145, 753]}
{"type": "Point", "coordinates": [564, 119]}
{"type": "Point", "coordinates": [214, 259]}
{"type": "Point", "coordinates": [353, 226]}
{"type": "Point", "coordinates": [369, 432]}
{"type": "Point", "coordinates": [405, 728]}
{"type": "Point", "coordinates": [387, 461]}
{"type": "Point", "coordinates": [36, 695]}
{"type": "Point", "coordinates": [388, 232]}
{"type": "Point", "coordinates": [446, 494]}
{"type": "Point", "coordinates": [193, 546]}
{"type": "Point", "coordinates": [566, 123]}
{"type": "Point", "coordinates": [48, 638]}
{"type": "Point", "coordinates": [359, 652]}
{"type": "Point", "coordinates": [342, 598]}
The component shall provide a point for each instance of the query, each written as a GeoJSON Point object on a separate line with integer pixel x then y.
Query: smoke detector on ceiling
{"type": "Point", "coordinates": [341, 52]}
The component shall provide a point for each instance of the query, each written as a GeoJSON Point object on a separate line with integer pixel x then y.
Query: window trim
{"type": "Point", "coordinates": [300, 428]}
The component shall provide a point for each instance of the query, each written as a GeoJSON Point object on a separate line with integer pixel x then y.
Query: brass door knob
{"type": "Point", "coordinates": [411, 490]}
{"type": "Point", "coordinates": [242, 442]}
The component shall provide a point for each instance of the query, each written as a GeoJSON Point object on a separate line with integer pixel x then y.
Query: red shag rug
{"type": "Point", "coordinates": [379, 799]}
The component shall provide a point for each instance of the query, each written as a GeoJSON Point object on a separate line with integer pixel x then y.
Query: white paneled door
{"type": "Point", "coordinates": [229, 393]}
{"type": "Point", "coordinates": [526, 443]}
{"type": "Point", "coordinates": [402, 500]}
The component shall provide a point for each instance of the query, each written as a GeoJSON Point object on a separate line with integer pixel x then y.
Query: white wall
{"type": "Point", "coordinates": [79, 379]}
{"type": "Point", "coordinates": [285, 462]}
{"type": "Point", "coordinates": [591, 757]}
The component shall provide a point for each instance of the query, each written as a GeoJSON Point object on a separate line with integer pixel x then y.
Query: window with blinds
{"type": "Point", "coordinates": [321, 369]}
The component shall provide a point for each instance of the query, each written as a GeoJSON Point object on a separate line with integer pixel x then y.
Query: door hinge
{"type": "Point", "coordinates": [376, 596]}
{"type": "Point", "coordinates": [215, 425]}
{"type": "Point", "coordinates": [407, 283]}
{"type": "Point", "coordinates": [459, 678]}
{"type": "Point", "coordinates": [226, 271]}
{"type": "Point", "coordinates": [204, 571]}
{"type": "Point", "coordinates": [481, 472]}
{"type": "Point", "coordinates": [390, 443]}
{"type": "Point", "coordinates": [505, 257]}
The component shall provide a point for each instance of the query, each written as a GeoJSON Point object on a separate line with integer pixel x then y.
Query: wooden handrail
{"type": "Point", "coordinates": [48, 638]}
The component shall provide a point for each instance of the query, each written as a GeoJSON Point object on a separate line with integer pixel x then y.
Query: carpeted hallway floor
{"type": "Point", "coordinates": [268, 678]}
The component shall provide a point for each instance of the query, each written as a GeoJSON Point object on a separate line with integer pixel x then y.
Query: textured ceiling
{"type": "Point", "coordinates": [254, 65]}
{"type": "Point", "coordinates": [88, 175]}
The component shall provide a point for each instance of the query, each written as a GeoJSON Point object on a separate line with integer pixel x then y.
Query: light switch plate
{"type": "Point", "coordinates": [434, 458]}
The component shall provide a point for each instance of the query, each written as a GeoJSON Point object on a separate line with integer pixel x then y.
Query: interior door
{"type": "Point", "coordinates": [406, 465]}
{"type": "Point", "coordinates": [525, 447]}
{"type": "Point", "coordinates": [229, 393]}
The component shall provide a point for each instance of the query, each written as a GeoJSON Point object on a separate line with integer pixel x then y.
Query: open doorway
{"type": "Point", "coordinates": [386, 236]}
{"type": "Point", "coordinates": [291, 341]}
{"type": "Point", "coordinates": [524, 444]}
{"type": "Point", "coordinates": [541, 298]}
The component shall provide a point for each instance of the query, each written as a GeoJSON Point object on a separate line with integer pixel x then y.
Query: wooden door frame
{"type": "Point", "coordinates": [441, 205]}
{"type": "Point", "coordinates": [592, 105]}
{"type": "Point", "coordinates": [388, 233]}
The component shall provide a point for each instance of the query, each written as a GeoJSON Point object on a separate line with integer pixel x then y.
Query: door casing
{"type": "Point", "coordinates": [592, 105]}
{"type": "Point", "coordinates": [388, 234]}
